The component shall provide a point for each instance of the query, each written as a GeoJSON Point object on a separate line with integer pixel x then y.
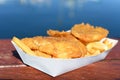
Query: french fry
{"type": "Point", "coordinates": [95, 48]}
{"type": "Point", "coordinates": [22, 46]}
{"type": "Point", "coordinates": [108, 43]}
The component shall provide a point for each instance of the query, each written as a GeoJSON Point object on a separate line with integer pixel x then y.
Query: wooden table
{"type": "Point", "coordinates": [12, 68]}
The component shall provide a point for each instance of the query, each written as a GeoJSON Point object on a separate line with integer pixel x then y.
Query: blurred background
{"type": "Point", "coordinates": [27, 18]}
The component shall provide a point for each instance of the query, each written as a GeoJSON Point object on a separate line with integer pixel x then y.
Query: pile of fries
{"type": "Point", "coordinates": [95, 48]}
{"type": "Point", "coordinates": [81, 41]}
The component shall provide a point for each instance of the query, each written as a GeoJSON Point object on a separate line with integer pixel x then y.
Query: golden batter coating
{"type": "Point", "coordinates": [56, 33]}
{"type": "Point", "coordinates": [58, 47]}
{"type": "Point", "coordinates": [88, 33]}
{"type": "Point", "coordinates": [30, 43]}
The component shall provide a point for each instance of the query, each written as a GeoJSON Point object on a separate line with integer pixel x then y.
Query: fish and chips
{"type": "Point", "coordinates": [81, 41]}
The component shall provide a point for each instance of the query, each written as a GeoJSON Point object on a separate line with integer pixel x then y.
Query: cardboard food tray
{"type": "Point", "coordinates": [54, 66]}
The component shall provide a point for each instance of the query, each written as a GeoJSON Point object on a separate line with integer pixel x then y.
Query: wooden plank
{"type": "Point", "coordinates": [8, 54]}
{"type": "Point", "coordinates": [104, 70]}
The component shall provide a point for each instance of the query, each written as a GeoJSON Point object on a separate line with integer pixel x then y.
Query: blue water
{"type": "Point", "coordinates": [27, 18]}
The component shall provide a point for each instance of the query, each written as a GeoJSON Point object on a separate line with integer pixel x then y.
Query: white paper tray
{"type": "Point", "coordinates": [55, 67]}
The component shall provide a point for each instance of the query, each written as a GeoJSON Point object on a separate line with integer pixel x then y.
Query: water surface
{"type": "Point", "coordinates": [27, 18]}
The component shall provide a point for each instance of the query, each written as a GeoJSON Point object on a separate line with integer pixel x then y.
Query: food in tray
{"type": "Point", "coordinates": [27, 49]}
{"type": "Point", "coordinates": [81, 41]}
{"type": "Point", "coordinates": [56, 47]}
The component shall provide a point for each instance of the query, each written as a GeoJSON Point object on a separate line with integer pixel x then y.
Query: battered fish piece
{"type": "Point", "coordinates": [30, 43]}
{"type": "Point", "coordinates": [59, 47]}
{"type": "Point", "coordinates": [41, 54]}
{"type": "Point", "coordinates": [88, 33]}
{"type": "Point", "coordinates": [56, 33]}
{"type": "Point", "coordinates": [67, 35]}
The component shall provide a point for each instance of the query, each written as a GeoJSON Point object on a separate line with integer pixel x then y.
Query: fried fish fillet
{"type": "Point", "coordinates": [67, 35]}
{"type": "Point", "coordinates": [30, 43]}
{"type": "Point", "coordinates": [56, 33]}
{"type": "Point", "coordinates": [58, 47]}
{"type": "Point", "coordinates": [88, 33]}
